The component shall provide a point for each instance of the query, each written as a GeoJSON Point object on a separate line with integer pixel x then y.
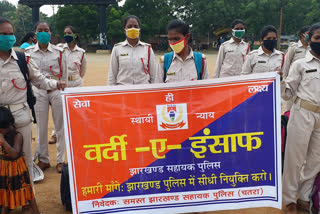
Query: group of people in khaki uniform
{"type": "Point", "coordinates": [134, 62]}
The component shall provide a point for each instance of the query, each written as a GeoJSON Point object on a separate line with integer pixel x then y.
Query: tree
{"type": "Point", "coordinates": [84, 18]}
{"type": "Point", "coordinates": [154, 15]}
{"type": "Point", "coordinates": [6, 7]}
{"type": "Point", "coordinates": [114, 24]}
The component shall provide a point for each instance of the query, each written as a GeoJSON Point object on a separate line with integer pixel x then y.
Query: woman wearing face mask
{"type": "Point", "coordinates": [182, 64]}
{"type": "Point", "coordinates": [295, 51]}
{"type": "Point", "coordinates": [266, 58]}
{"type": "Point", "coordinates": [132, 61]}
{"type": "Point", "coordinates": [13, 87]}
{"type": "Point", "coordinates": [303, 139]}
{"type": "Point", "coordinates": [76, 63]}
{"type": "Point", "coordinates": [232, 53]}
{"type": "Point", "coordinates": [75, 57]}
{"type": "Point", "coordinates": [50, 61]}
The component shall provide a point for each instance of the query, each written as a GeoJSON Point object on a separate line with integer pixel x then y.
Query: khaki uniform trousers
{"type": "Point", "coordinates": [44, 99]}
{"type": "Point", "coordinates": [302, 154]}
{"type": "Point", "coordinates": [23, 123]}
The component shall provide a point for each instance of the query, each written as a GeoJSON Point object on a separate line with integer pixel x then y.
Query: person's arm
{"type": "Point", "coordinates": [39, 80]}
{"type": "Point", "coordinates": [15, 151]}
{"type": "Point", "coordinates": [288, 61]}
{"type": "Point", "coordinates": [113, 68]}
{"type": "Point", "coordinates": [83, 68]}
{"type": "Point", "coordinates": [153, 67]}
{"type": "Point", "coordinates": [219, 62]}
{"type": "Point", "coordinates": [292, 82]}
{"type": "Point", "coordinates": [205, 74]}
{"type": "Point", "coordinates": [247, 67]}
{"type": "Point", "coordinates": [160, 71]}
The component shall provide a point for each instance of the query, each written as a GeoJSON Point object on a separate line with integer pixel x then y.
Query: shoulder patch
{"type": "Point", "coordinates": [253, 52]}
{"type": "Point", "coordinates": [120, 43]}
{"type": "Point", "coordinates": [57, 48]}
{"type": "Point", "coordinates": [293, 45]}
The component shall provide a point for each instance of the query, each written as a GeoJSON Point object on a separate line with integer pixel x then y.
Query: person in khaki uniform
{"type": "Point", "coordinates": [132, 61]}
{"type": "Point", "coordinates": [295, 51]}
{"type": "Point", "coordinates": [266, 58]}
{"type": "Point", "coordinates": [13, 91]}
{"type": "Point", "coordinates": [232, 53]}
{"type": "Point", "coordinates": [303, 139]}
{"type": "Point", "coordinates": [50, 60]}
{"type": "Point", "coordinates": [183, 66]}
{"type": "Point", "coordinates": [76, 63]}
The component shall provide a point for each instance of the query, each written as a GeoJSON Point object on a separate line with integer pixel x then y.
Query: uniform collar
{"type": "Point", "coordinates": [190, 56]}
{"type": "Point", "coordinates": [309, 57]}
{"type": "Point", "coordinates": [232, 41]}
{"type": "Point", "coordinates": [300, 44]}
{"type": "Point", "coordinates": [127, 43]}
{"type": "Point", "coordinates": [75, 47]}
{"type": "Point", "coordinates": [13, 55]}
{"type": "Point", "coordinates": [37, 48]}
{"type": "Point", "coordinates": [261, 52]}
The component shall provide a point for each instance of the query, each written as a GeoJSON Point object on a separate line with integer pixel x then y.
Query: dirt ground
{"type": "Point", "coordinates": [48, 190]}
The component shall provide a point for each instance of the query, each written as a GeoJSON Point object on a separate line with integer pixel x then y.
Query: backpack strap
{"type": "Point", "coordinates": [166, 65]}
{"type": "Point", "coordinates": [199, 61]}
{"type": "Point", "coordinates": [23, 65]}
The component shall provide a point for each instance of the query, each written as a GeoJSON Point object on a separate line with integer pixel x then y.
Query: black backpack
{"type": "Point", "coordinates": [65, 188]}
{"type": "Point", "coordinates": [31, 99]}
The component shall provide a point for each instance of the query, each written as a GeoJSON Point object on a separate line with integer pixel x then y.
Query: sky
{"type": "Point", "coordinates": [47, 9]}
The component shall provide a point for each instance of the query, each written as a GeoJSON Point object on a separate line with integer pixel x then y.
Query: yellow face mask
{"type": "Point", "coordinates": [178, 46]}
{"type": "Point", "coordinates": [133, 33]}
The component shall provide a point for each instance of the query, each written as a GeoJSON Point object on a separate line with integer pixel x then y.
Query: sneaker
{"type": "Point", "coordinates": [59, 167]}
{"type": "Point", "coordinates": [303, 205]}
{"type": "Point", "coordinates": [291, 208]}
{"type": "Point", "coordinates": [43, 166]}
{"type": "Point", "coordinates": [53, 139]}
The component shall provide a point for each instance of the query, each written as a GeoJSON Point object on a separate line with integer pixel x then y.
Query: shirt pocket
{"type": "Point", "coordinates": [17, 81]}
{"type": "Point", "coordinates": [124, 62]}
{"type": "Point", "coordinates": [311, 74]}
{"type": "Point", "coordinates": [261, 66]}
{"type": "Point", "coordinates": [53, 67]}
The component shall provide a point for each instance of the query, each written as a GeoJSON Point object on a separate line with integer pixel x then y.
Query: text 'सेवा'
{"type": "Point", "coordinates": [116, 149]}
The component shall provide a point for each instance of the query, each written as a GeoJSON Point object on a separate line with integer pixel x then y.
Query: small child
{"type": "Point", "coordinates": [15, 186]}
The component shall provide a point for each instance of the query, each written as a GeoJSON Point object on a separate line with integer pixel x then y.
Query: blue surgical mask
{"type": "Point", "coordinates": [7, 42]}
{"type": "Point", "coordinates": [43, 37]}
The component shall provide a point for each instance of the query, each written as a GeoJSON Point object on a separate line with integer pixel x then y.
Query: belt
{"type": "Point", "coordinates": [15, 107]}
{"type": "Point", "coordinates": [53, 78]}
{"type": "Point", "coordinates": [308, 105]}
{"type": "Point", "coordinates": [73, 77]}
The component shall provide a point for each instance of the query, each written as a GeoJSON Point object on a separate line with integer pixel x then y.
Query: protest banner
{"type": "Point", "coordinates": [175, 148]}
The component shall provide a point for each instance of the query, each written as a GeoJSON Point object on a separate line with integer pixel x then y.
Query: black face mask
{"type": "Point", "coordinates": [315, 46]}
{"type": "Point", "coordinates": [270, 44]}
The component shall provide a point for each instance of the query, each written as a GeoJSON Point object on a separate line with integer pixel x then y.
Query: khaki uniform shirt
{"type": "Point", "coordinates": [49, 61]}
{"type": "Point", "coordinates": [129, 65]}
{"type": "Point", "coordinates": [303, 80]}
{"type": "Point", "coordinates": [295, 51]}
{"type": "Point", "coordinates": [180, 70]}
{"type": "Point", "coordinates": [230, 59]}
{"type": "Point", "coordinates": [12, 83]}
{"type": "Point", "coordinates": [76, 61]}
{"type": "Point", "coordinates": [258, 61]}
